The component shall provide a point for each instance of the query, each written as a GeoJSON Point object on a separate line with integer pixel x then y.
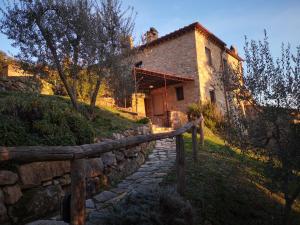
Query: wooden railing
{"type": "Point", "coordinates": [78, 154]}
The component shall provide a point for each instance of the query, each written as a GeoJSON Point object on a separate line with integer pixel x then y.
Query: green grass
{"type": "Point", "coordinates": [227, 187]}
{"type": "Point", "coordinates": [32, 119]}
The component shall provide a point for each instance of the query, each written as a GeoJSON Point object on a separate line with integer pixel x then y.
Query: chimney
{"type": "Point", "coordinates": [234, 49]}
{"type": "Point", "coordinates": [151, 35]}
{"type": "Point", "coordinates": [127, 42]}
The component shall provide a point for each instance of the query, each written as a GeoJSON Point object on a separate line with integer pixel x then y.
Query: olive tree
{"type": "Point", "coordinates": [271, 89]}
{"type": "Point", "coordinates": [72, 37]}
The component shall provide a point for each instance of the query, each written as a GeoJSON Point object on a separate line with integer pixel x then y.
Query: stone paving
{"type": "Point", "coordinates": [146, 178]}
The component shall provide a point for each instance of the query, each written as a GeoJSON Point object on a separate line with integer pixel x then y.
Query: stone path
{"type": "Point", "coordinates": [147, 177]}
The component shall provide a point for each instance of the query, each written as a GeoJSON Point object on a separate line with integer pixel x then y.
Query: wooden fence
{"type": "Point", "coordinates": [78, 155]}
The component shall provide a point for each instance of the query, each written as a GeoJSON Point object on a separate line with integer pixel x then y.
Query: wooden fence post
{"type": "Point", "coordinates": [78, 192]}
{"type": "Point", "coordinates": [201, 131]}
{"type": "Point", "coordinates": [195, 143]}
{"type": "Point", "coordinates": [180, 164]}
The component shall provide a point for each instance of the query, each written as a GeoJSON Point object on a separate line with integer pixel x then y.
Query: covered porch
{"type": "Point", "coordinates": [162, 97]}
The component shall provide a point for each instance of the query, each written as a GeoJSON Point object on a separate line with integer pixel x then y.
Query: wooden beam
{"type": "Point", "coordinates": [180, 164]}
{"type": "Point", "coordinates": [61, 153]}
{"type": "Point", "coordinates": [201, 131]}
{"type": "Point", "coordinates": [78, 192]}
{"type": "Point", "coordinates": [195, 143]}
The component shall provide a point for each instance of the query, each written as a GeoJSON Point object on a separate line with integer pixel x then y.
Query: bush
{"type": "Point", "coordinates": [153, 207]}
{"type": "Point", "coordinates": [213, 119]}
{"type": "Point", "coordinates": [27, 119]}
{"type": "Point", "coordinates": [144, 120]}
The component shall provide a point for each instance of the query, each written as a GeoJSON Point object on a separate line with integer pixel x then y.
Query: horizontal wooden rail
{"type": "Point", "coordinates": [78, 154]}
{"type": "Point", "coordinates": [59, 153]}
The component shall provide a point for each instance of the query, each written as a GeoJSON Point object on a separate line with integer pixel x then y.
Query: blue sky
{"type": "Point", "coordinates": [230, 20]}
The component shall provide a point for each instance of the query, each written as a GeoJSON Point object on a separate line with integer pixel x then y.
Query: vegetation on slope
{"type": "Point", "coordinates": [31, 119]}
{"type": "Point", "coordinates": [228, 187]}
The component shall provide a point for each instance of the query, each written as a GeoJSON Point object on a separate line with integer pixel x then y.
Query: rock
{"type": "Point", "coordinates": [33, 174]}
{"type": "Point", "coordinates": [130, 153]}
{"type": "Point", "coordinates": [47, 183]}
{"type": "Point", "coordinates": [140, 158]}
{"type": "Point", "coordinates": [119, 156]}
{"type": "Point", "coordinates": [65, 180]}
{"type": "Point", "coordinates": [1, 196]}
{"type": "Point", "coordinates": [94, 167]}
{"type": "Point", "coordinates": [3, 214]}
{"type": "Point", "coordinates": [47, 222]}
{"type": "Point", "coordinates": [89, 204]}
{"type": "Point", "coordinates": [117, 136]}
{"type": "Point", "coordinates": [36, 203]}
{"type": "Point", "coordinates": [56, 182]}
{"type": "Point", "coordinates": [7, 177]}
{"type": "Point", "coordinates": [109, 159]}
{"type": "Point", "coordinates": [104, 196]}
{"type": "Point", "coordinates": [12, 194]}
{"type": "Point", "coordinates": [93, 186]}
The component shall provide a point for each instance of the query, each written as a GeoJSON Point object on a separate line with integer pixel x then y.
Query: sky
{"type": "Point", "coordinates": [229, 20]}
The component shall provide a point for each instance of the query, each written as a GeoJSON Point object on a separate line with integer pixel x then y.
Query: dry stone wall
{"type": "Point", "coordinates": [22, 84]}
{"type": "Point", "coordinates": [35, 190]}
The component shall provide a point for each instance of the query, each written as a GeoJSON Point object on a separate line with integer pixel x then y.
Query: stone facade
{"type": "Point", "coordinates": [183, 53]}
{"type": "Point", "coordinates": [33, 191]}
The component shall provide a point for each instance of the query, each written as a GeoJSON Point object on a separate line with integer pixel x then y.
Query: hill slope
{"type": "Point", "coordinates": [227, 187]}
{"type": "Point", "coordinates": [31, 119]}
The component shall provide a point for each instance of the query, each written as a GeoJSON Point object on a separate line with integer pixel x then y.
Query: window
{"type": "Point", "coordinates": [212, 96]}
{"type": "Point", "coordinates": [179, 93]}
{"type": "Point", "coordinates": [208, 56]}
{"type": "Point", "coordinates": [138, 64]}
{"type": "Point", "coordinates": [225, 64]}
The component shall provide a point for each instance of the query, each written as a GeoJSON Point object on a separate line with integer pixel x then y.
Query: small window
{"type": "Point", "coordinates": [208, 56]}
{"type": "Point", "coordinates": [225, 64]}
{"type": "Point", "coordinates": [212, 96]}
{"type": "Point", "coordinates": [179, 93]}
{"type": "Point", "coordinates": [138, 64]}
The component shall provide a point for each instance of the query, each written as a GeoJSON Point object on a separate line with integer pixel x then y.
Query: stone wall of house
{"type": "Point", "coordinates": [177, 108]}
{"type": "Point", "coordinates": [35, 190]}
{"type": "Point", "coordinates": [177, 56]}
{"type": "Point", "coordinates": [210, 74]}
{"type": "Point", "coordinates": [185, 56]}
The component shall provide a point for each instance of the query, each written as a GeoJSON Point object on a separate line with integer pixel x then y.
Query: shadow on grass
{"type": "Point", "coordinates": [227, 188]}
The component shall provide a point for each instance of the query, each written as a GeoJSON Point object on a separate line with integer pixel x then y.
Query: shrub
{"type": "Point", "coordinates": [213, 119]}
{"type": "Point", "coordinates": [144, 120]}
{"type": "Point", "coordinates": [27, 119]}
{"type": "Point", "coordinates": [151, 207]}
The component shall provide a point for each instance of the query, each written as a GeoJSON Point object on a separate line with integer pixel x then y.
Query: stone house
{"type": "Point", "coordinates": [178, 69]}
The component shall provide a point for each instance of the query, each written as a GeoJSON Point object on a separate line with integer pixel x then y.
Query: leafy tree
{"type": "Point", "coordinates": [72, 37]}
{"type": "Point", "coordinates": [109, 47]}
{"type": "Point", "coordinates": [271, 89]}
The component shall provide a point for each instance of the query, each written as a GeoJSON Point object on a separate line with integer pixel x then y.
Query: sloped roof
{"type": "Point", "coordinates": [194, 26]}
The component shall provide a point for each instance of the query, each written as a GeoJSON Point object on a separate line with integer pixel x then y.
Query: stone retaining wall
{"type": "Point", "coordinates": [35, 190]}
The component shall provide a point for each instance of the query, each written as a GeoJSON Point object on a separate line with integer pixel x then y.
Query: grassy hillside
{"type": "Point", "coordinates": [227, 187]}
{"type": "Point", "coordinates": [31, 119]}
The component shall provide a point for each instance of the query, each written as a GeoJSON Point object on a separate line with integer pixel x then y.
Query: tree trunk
{"type": "Point", "coordinates": [94, 95]}
{"type": "Point", "coordinates": [61, 74]}
{"type": "Point", "coordinates": [287, 211]}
